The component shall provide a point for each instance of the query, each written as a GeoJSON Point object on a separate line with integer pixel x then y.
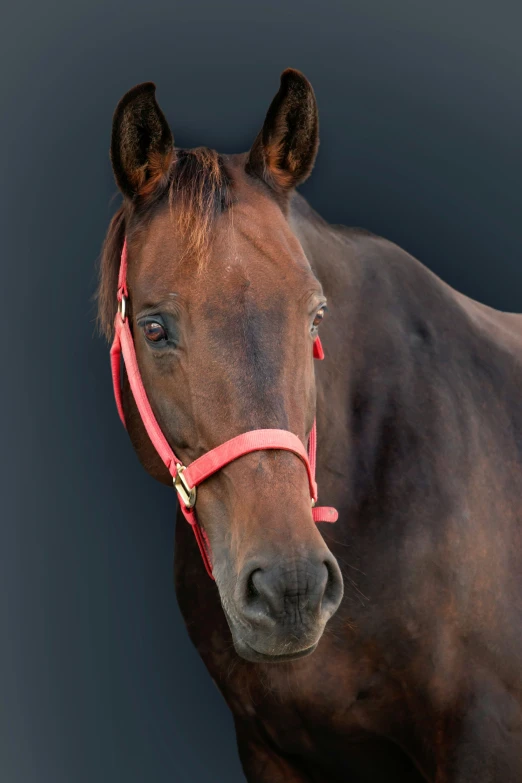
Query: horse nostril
{"type": "Point", "coordinates": [251, 590]}
{"type": "Point", "coordinates": [333, 591]}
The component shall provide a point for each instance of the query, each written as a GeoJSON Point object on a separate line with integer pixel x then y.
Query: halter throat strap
{"type": "Point", "coordinates": [186, 479]}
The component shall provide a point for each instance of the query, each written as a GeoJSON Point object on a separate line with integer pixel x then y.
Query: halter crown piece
{"type": "Point", "coordinates": [186, 479]}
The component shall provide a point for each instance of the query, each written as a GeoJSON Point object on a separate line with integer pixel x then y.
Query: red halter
{"type": "Point", "coordinates": [186, 479]}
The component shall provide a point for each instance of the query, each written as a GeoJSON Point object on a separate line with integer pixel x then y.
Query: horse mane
{"type": "Point", "coordinates": [197, 190]}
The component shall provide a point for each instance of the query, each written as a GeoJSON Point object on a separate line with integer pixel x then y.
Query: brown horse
{"type": "Point", "coordinates": [418, 674]}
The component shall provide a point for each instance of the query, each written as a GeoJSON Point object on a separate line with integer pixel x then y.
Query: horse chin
{"type": "Point", "coordinates": [249, 653]}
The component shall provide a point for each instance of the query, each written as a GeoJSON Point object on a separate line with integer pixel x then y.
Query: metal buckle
{"type": "Point", "coordinates": [186, 493]}
{"type": "Point", "coordinates": [123, 308]}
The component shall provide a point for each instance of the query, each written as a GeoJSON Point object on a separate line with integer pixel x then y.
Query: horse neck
{"type": "Point", "coordinates": [395, 383]}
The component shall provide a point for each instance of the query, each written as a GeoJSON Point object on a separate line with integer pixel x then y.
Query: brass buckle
{"type": "Point", "coordinates": [123, 308]}
{"type": "Point", "coordinates": [186, 493]}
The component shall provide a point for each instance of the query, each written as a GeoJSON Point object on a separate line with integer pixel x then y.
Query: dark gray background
{"type": "Point", "coordinates": [421, 116]}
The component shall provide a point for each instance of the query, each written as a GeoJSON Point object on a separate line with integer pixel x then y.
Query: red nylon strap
{"type": "Point", "coordinates": [140, 396]}
{"type": "Point", "coordinates": [211, 462]}
{"type": "Point", "coordinates": [122, 274]}
{"type": "Point", "coordinates": [255, 440]}
{"type": "Point", "coordinates": [123, 345]}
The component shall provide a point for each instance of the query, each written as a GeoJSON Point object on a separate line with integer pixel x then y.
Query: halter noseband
{"type": "Point", "coordinates": [186, 479]}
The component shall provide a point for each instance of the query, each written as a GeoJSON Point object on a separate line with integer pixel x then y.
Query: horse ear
{"type": "Point", "coordinates": [141, 144]}
{"type": "Point", "coordinates": [284, 151]}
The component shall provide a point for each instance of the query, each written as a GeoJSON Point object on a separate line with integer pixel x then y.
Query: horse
{"type": "Point", "coordinates": [386, 646]}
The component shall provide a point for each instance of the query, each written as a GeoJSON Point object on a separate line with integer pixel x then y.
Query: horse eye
{"type": "Point", "coordinates": [154, 332]}
{"type": "Point", "coordinates": [319, 317]}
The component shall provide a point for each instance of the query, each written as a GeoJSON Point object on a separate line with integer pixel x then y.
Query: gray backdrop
{"type": "Point", "coordinates": [421, 116]}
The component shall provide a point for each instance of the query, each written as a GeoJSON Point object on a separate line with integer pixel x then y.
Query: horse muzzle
{"type": "Point", "coordinates": [281, 609]}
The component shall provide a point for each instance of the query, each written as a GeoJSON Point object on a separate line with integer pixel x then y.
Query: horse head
{"type": "Point", "coordinates": [224, 309]}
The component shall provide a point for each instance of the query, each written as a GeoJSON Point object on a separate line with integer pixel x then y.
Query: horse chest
{"type": "Point", "coordinates": [302, 704]}
{"type": "Point", "coordinates": [334, 724]}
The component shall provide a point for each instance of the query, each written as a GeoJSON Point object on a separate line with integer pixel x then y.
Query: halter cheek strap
{"type": "Point", "coordinates": [186, 479]}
